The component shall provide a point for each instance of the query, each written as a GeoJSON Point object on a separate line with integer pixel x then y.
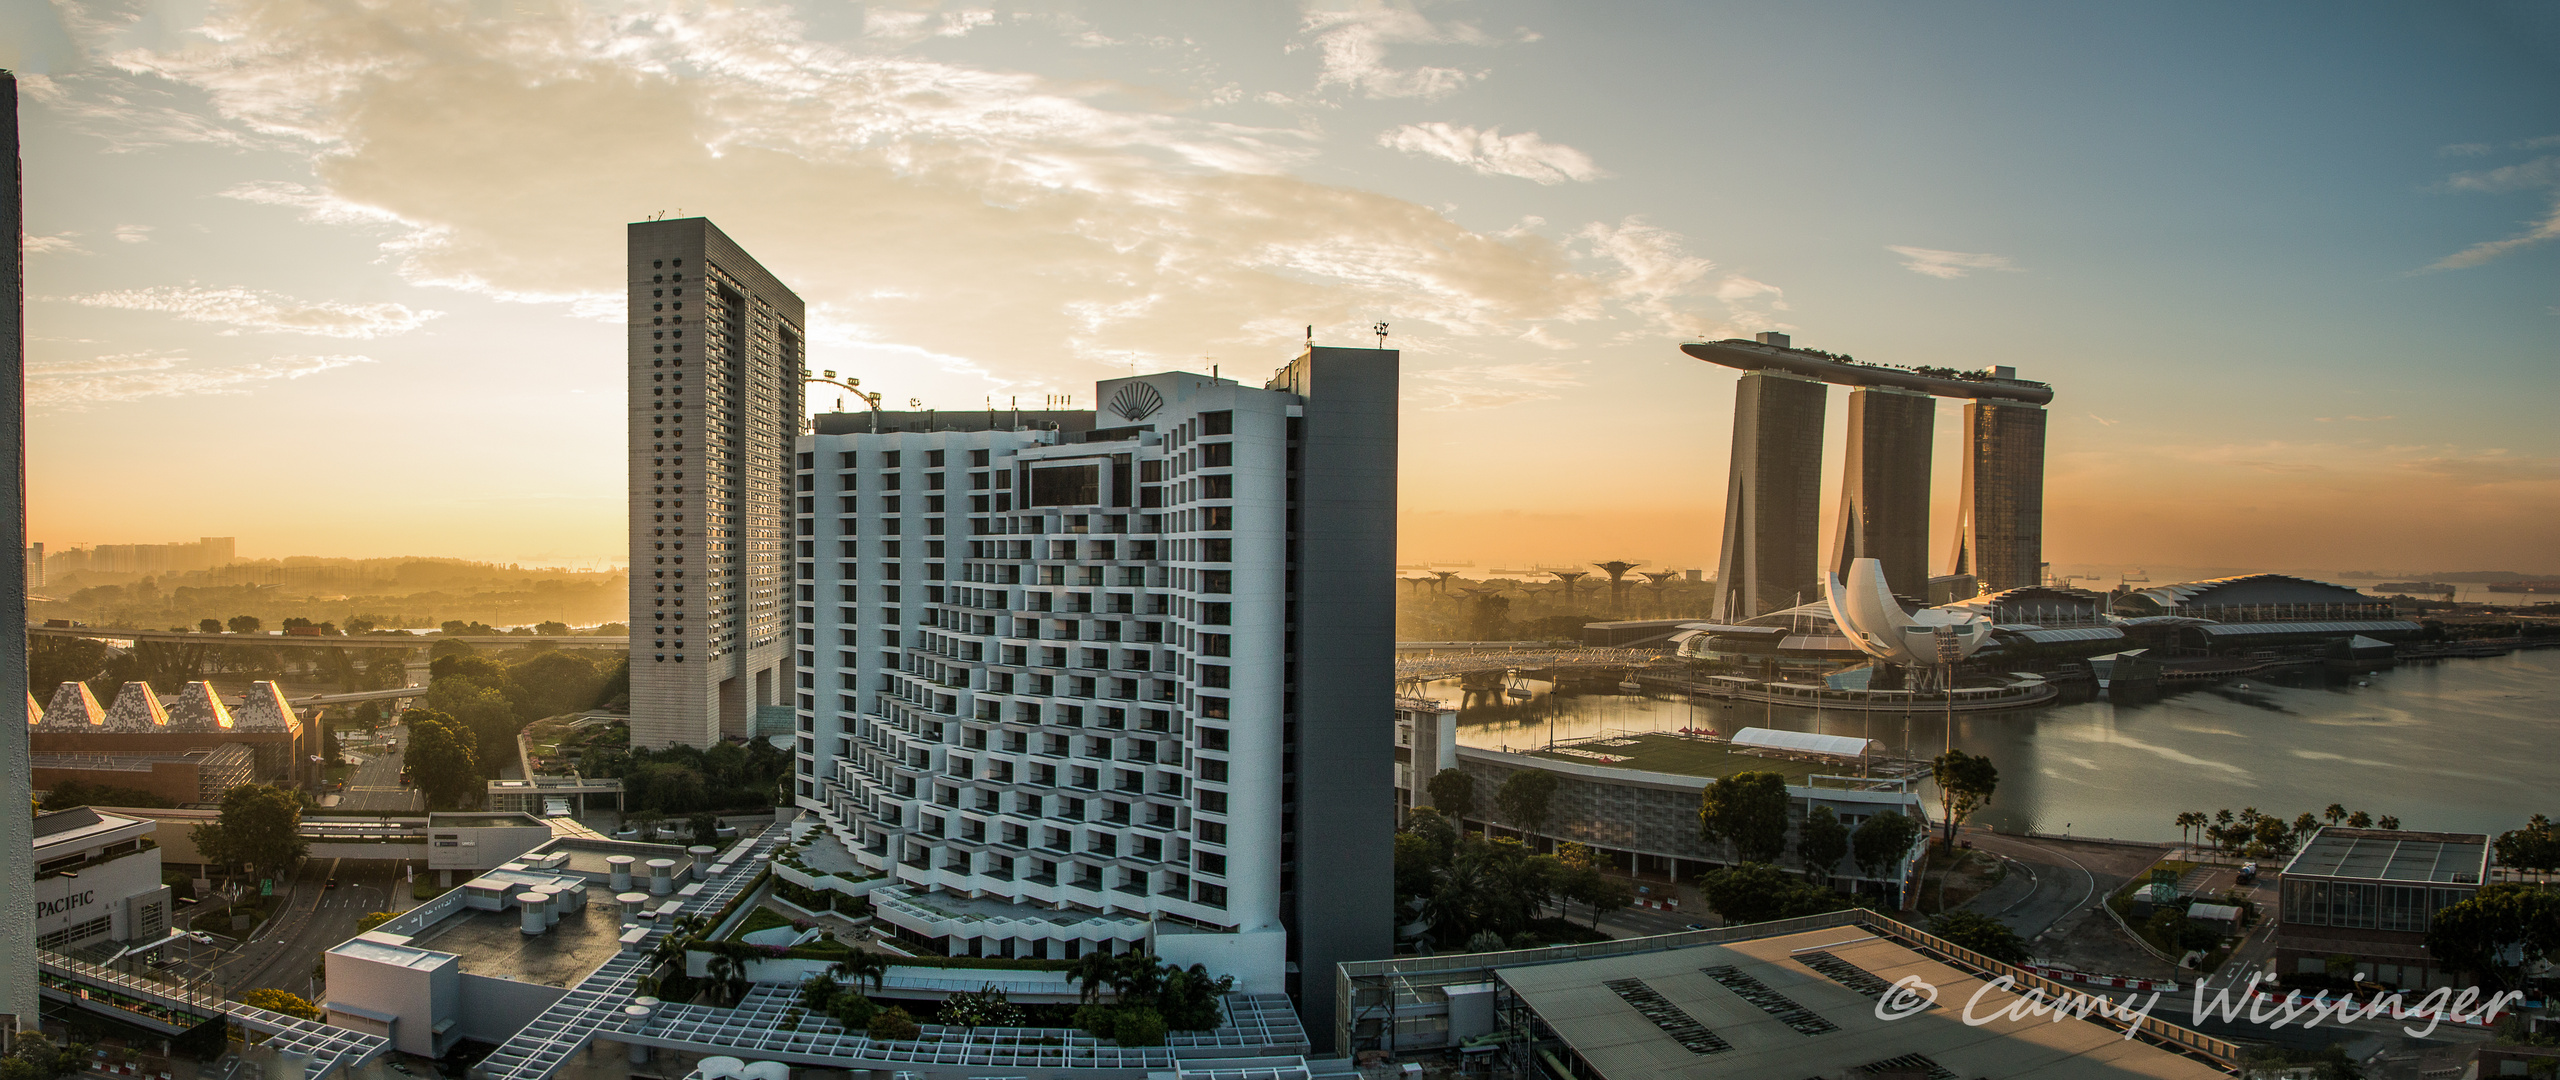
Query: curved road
{"type": "Point", "coordinates": [2056, 884]}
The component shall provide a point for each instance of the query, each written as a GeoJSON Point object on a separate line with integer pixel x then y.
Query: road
{"type": "Point", "coordinates": [2045, 883]}
{"type": "Point", "coordinates": [314, 918]}
{"type": "Point", "coordinates": [375, 785]}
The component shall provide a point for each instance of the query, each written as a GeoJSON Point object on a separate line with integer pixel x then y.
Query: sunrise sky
{"type": "Point", "coordinates": [343, 277]}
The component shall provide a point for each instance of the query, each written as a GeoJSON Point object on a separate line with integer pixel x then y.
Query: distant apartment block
{"type": "Point", "coordinates": [35, 566]}
{"type": "Point", "coordinates": [1079, 681]}
{"type": "Point", "coordinates": [715, 363]}
{"type": "Point", "coordinates": [204, 553]}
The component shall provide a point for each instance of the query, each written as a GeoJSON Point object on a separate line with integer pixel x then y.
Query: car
{"type": "Point", "coordinates": [2248, 873]}
{"type": "Point", "coordinates": [1697, 926]}
{"type": "Point", "coordinates": [333, 883]}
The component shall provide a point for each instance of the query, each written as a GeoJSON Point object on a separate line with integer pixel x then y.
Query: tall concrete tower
{"type": "Point", "coordinates": [2000, 521]}
{"type": "Point", "coordinates": [716, 356]}
{"type": "Point", "coordinates": [1884, 490]}
{"type": "Point", "coordinates": [1772, 505]}
{"type": "Point", "coordinates": [17, 829]}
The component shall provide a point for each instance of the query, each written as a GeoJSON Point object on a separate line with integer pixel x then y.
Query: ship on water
{"type": "Point", "coordinates": [2414, 588]}
{"type": "Point", "coordinates": [2540, 585]}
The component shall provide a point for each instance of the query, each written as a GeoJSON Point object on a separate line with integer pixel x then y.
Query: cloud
{"type": "Point", "coordinates": [1489, 386]}
{"type": "Point", "coordinates": [133, 234]}
{"type": "Point", "coordinates": [74, 386]}
{"type": "Point", "coordinates": [910, 200]}
{"type": "Point", "coordinates": [2468, 149]}
{"type": "Point", "coordinates": [906, 27]}
{"type": "Point", "coordinates": [2539, 174]}
{"type": "Point", "coordinates": [57, 244]}
{"type": "Point", "coordinates": [1353, 45]}
{"type": "Point", "coordinates": [2103, 421]}
{"type": "Point", "coordinates": [1948, 264]}
{"type": "Point", "coordinates": [2546, 229]}
{"type": "Point", "coordinates": [251, 309]}
{"type": "Point", "coordinates": [1493, 153]}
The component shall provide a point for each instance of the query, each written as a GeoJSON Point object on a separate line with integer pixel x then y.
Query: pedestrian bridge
{"type": "Point", "coordinates": [172, 1010]}
{"type": "Point", "coordinates": [1450, 665]}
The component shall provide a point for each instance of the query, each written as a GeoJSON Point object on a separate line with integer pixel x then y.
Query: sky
{"type": "Point", "coordinates": [342, 277]}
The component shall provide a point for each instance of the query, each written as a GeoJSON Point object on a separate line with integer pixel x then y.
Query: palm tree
{"type": "Point", "coordinates": [1093, 971]}
{"type": "Point", "coordinates": [2335, 813]}
{"type": "Point", "coordinates": [862, 967]}
{"type": "Point", "coordinates": [2359, 820]}
{"type": "Point", "coordinates": [2188, 823]}
{"type": "Point", "coordinates": [2304, 826]}
{"type": "Point", "coordinates": [730, 973]}
{"type": "Point", "coordinates": [2388, 822]}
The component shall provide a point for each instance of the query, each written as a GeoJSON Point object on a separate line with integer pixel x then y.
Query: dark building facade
{"type": "Point", "coordinates": [1884, 490]}
{"type": "Point", "coordinates": [716, 354]}
{"type": "Point", "coordinates": [1772, 505]}
{"type": "Point", "coordinates": [2000, 518]}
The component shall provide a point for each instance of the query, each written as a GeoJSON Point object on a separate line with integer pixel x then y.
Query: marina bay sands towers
{"type": "Point", "coordinates": [1772, 503]}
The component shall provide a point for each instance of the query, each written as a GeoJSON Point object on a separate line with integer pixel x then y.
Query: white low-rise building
{"type": "Point", "coordinates": [97, 879]}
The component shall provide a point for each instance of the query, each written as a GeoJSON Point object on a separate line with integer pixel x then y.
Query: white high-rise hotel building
{"type": "Point", "coordinates": [1112, 679]}
{"type": "Point", "coordinates": [715, 404]}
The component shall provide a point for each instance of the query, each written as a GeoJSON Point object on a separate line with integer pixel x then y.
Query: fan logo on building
{"type": "Point", "coordinates": [46, 909]}
{"type": "Point", "coordinates": [1136, 401]}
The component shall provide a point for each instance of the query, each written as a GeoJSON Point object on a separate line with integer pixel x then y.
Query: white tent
{"type": "Point", "coordinates": [1803, 742]}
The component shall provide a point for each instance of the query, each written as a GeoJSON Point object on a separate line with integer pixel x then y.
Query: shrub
{"type": "Point", "coordinates": [893, 1023]}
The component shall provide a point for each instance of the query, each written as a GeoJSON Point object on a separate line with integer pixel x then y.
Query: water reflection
{"type": "Point", "coordinates": [2462, 745]}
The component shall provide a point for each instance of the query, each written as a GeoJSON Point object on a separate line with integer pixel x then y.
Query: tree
{"type": "Point", "coordinates": [1882, 840]}
{"type": "Point", "coordinates": [2499, 932]}
{"type": "Point", "coordinates": [373, 919]}
{"type": "Point", "coordinates": [1759, 892]}
{"type": "Point", "coordinates": [209, 626]}
{"type": "Point", "coordinates": [1453, 793]}
{"type": "Point", "coordinates": [2359, 820]}
{"type": "Point", "coordinates": [274, 1000]}
{"type": "Point", "coordinates": [862, 967]}
{"type": "Point", "coordinates": [1749, 811]}
{"type": "Point", "coordinates": [37, 1057]}
{"type": "Point", "coordinates": [2386, 821]}
{"type": "Point", "coordinates": [442, 758]}
{"type": "Point", "coordinates": [2534, 847]}
{"type": "Point", "coordinates": [70, 793]}
{"type": "Point", "coordinates": [2304, 826]}
{"type": "Point", "coordinates": [2188, 822]}
{"type": "Point", "coordinates": [2334, 814]}
{"type": "Point", "coordinates": [1822, 842]}
{"type": "Point", "coordinates": [1524, 799]}
{"type": "Point", "coordinates": [258, 827]}
{"type": "Point", "coordinates": [706, 827]}
{"type": "Point", "coordinates": [244, 624]}
{"type": "Point", "coordinates": [893, 1023]}
{"type": "Point", "coordinates": [1965, 783]}
{"type": "Point", "coordinates": [1981, 933]}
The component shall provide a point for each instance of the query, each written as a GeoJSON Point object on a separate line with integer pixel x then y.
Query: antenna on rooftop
{"type": "Point", "coordinates": [1380, 329]}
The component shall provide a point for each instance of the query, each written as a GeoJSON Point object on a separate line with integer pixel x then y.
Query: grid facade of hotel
{"type": "Point", "coordinates": [1049, 681]}
{"type": "Point", "coordinates": [715, 366]}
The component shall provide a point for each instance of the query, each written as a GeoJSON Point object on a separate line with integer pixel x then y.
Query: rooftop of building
{"type": "Point", "coordinates": [68, 829]}
{"type": "Point", "coordinates": [1688, 755]}
{"type": "Point", "coordinates": [138, 761]}
{"type": "Point", "coordinates": [2393, 855]}
{"type": "Point", "coordinates": [594, 857]}
{"type": "Point", "coordinates": [1780, 354]}
{"type": "Point", "coordinates": [1799, 1005]}
{"type": "Point", "coordinates": [494, 943]}
{"type": "Point", "coordinates": [443, 820]}
{"type": "Point", "coordinates": [2243, 590]}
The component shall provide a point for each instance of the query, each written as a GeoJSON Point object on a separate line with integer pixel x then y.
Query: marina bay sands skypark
{"type": "Point", "coordinates": [1772, 509]}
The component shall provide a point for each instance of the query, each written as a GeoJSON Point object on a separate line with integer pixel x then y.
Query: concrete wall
{"type": "Point", "coordinates": [495, 1009]}
{"type": "Point", "coordinates": [419, 996]}
{"type": "Point", "coordinates": [1257, 959]}
{"type": "Point", "coordinates": [1339, 883]}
